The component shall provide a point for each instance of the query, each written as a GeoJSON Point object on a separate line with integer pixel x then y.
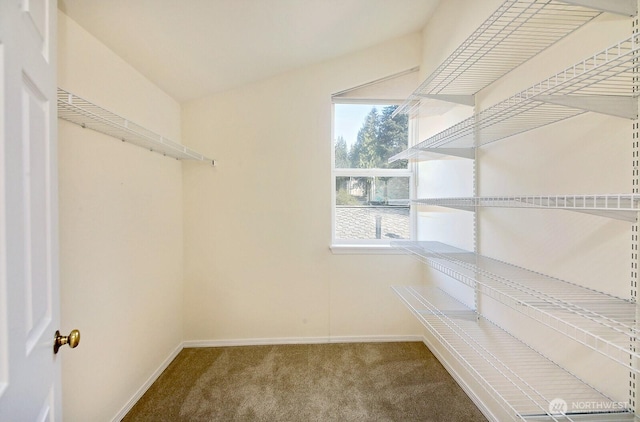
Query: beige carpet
{"type": "Point", "coordinates": [318, 382]}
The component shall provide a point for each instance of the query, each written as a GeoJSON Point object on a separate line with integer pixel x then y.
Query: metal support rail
{"type": "Point", "coordinates": [603, 83]}
{"type": "Point", "coordinates": [524, 382]}
{"type": "Point", "coordinates": [599, 321]}
{"type": "Point", "coordinates": [88, 115]}
{"type": "Point", "coordinates": [618, 206]}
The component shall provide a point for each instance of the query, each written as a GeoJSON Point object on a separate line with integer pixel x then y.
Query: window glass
{"type": "Point", "coordinates": [366, 136]}
{"type": "Point", "coordinates": [372, 196]}
{"type": "Point", "coordinates": [372, 208]}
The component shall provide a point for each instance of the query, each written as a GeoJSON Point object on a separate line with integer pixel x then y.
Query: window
{"type": "Point", "coordinates": [371, 204]}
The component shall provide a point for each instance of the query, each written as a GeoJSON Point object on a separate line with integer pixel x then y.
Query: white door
{"type": "Point", "coordinates": [29, 314]}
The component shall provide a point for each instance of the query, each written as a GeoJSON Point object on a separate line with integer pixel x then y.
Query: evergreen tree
{"type": "Point", "coordinates": [363, 151]}
{"type": "Point", "coordinates": [342, 156]}
{"type": "Point", "coordinates": [392, 137]}
{"type": "Point", "coordinates": [380, 137]}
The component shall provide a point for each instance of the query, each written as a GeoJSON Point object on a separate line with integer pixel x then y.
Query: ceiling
{"type": "Point", "coordinates": [194, 48]}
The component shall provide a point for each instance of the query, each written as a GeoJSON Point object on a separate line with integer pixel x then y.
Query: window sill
{"type": "Point", "coordinates": [365, 250]}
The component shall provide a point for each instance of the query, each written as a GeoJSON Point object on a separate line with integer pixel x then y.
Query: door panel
{"type": "Point", "coordinates": [37, 12]}
{"type": "Point", "coordinates": [29, 315]}
{"type": "Point", "coordinates": [36, 230]}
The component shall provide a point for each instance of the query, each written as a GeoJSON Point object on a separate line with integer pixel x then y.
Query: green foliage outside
{"type": "Point", "coordinates": [345, 198]}
{"type": "Point", "coordinates": [380, 137]}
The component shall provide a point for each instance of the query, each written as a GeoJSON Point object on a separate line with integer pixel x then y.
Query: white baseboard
{"type": "Point", "coordinates": [123, 412]}
{"type": "Point", "coordinates": [299, 340]}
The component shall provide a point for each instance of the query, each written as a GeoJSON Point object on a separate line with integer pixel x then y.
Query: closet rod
{"type": "Point", "coordinates": [88, 115]}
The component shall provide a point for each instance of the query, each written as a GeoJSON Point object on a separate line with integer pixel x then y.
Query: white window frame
{"type": "Point", "coordinates": [369, 246]}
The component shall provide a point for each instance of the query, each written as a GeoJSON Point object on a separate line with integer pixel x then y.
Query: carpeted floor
{"type": "Point", "coordinates": [312, 382]}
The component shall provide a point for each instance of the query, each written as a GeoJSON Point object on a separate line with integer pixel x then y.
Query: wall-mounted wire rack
{"type": "Point", "coordinates": [489, 354]}
{"type": "Point", "coordinates": [607, 83]}
{"type": "Point", "coordinates": [88, 115]}
{"type": "Point", "coordinates": [602, 83]}
{"type": "Point", "coordinates": [619, 206]}
{"type": "Point", "coordinates": [517, 31]}
{"type": "Point", "coordinates": [599, 321]}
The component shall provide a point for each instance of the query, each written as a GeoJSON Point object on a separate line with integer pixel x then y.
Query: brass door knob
{"type": "Point", "coordinates": [73, 339]}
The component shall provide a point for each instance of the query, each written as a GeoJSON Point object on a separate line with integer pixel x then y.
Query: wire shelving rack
{"type": "Point", "coordinates": [517, 31]}
{"type": "Point", "coordinates": [489, 354]}
{"type": "Point", "coordinates": [88, 115]}
{"type": "Point", "coordinates": [603, 83]}
{"type": "Point", "coordinates": [599, 321]}
{"type": "Point", "coordinates": [618, 206]}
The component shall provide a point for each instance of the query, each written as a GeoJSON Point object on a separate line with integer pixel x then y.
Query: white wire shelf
{"type": "Point", "coordinates": [599, 321]}
{"type": "Point", "coordinates": [517, 31]}
{"type": "Point", "coordinates": [524, 381]}
{"type": "Point", "coordinates": [621, 207]}
{"type": "Point", "coordinates": [603, 83]}
{"type": "Point", "coordinates": [88, 115]}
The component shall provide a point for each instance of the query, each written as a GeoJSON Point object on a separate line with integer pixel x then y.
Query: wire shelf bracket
{"type": "Point", "coordinates": [613, 105]}
{"type": "Point", "coordinates": [419, 153]}
{"type": "Point", "coordinates": [88, 115]}
{"type": "Point", "coordinates": [469, 100]}
{"type": "Point", "coordinates": [619, 7]}
{"type": "Point", "coordinates": [456, 152]}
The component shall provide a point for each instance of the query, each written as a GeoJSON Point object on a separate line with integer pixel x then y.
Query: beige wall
{"type": "Point", "coordinates": [120, 234]}
{"type": "Point", "coordinates": [257, 227]}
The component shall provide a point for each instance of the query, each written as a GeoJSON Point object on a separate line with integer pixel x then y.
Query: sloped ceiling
{"type": "Point", "coordinates": [194, 48]}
